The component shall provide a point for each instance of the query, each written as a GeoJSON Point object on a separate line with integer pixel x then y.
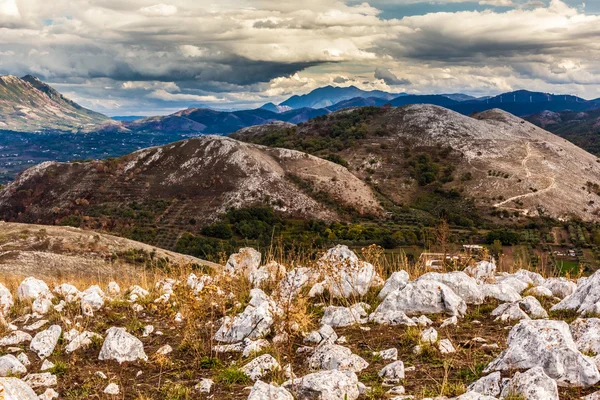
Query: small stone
{"type": "Point", "coordinates": [429, 335]}
{"type": "Point", "coordinates": [46, 365]}
{"type": "Point", "coordinates": [205, 385]}
{"type": "Point", "coordinates": [393, 372]}
{"type": "Point", "coordinates": [260, 366]}
{"type": "Point", "coordinates": [164, 350]}
{"type": "Point", "coordinates": [49, 394]}
{"type": "Point", "coordinates": [452, 321]}
{"type": "Point", "coordinates": [10, 365]}
{"type": "Point", "coordinates": [100, 375]}
{"type": "Point", "coordinates": [148, 329]}
{"type": "Point", "coordinates": [112, 389]}
{"type": "Point", "coordinates": [44, 342]}
{"type": "Point", "coordinates": [22, 357]}
{"type": "Point", "coordinates": [43, 379]}
{"type": "Point", "coordinates": [121, 346]}
{"type": "Point", "coordinates": [389, 354]}
{"type": "Point", "coordinates": [446, 347]}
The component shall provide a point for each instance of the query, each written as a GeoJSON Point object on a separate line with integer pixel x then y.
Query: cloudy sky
{"type": "Point", "coordinates": [147, 57]}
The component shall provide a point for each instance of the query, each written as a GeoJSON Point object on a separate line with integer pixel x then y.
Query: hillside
{"type": "Point", "coordinates": [153, 195]}
{"type": "Point", "coordinates": [29, 105]}
{"type": "Point", "coordinates": [579, 127]}
{"type": "Point", "coordinates": [427, 157]}
{"type": "Point", "coordinates": [51, 251]}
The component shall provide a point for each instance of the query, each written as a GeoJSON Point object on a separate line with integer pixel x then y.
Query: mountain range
{"type": "Point", "coordinates": [415, 161]}
{"type": "Point", "coordinates": [29, 105]}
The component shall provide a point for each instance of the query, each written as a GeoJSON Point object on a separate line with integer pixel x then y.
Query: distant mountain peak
{"type": "Point", "coordinates": [27, 104]}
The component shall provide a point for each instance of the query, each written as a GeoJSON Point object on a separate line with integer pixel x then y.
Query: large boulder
{"type": "Point", "coordinates": [44, 342]}
{"type": "Point", "coordinates": [16, 389]}
{"type": "Point", "coordinates": [423, 297]}
{"type": "Point", "coordinates": [396, 281]}
{"type": "Point", "coordinates": [253, 323]}
{"type": "Point", "coordinates": [31, 288]}
{"type": "Point", "coordinates": [533, 384]}
{"type": "Point", "coordinates": [586, 333]}
{"type": "Point", "coordinates": [10, 366]}
{"type": "Point", "coordinates": [461, 283]}
{"type": "Point", "coordinates": [245, 262]}
{"type": "Point", "coordinates": [483, 271]}
{"type": "Point", "coordinates": [121, 346]}
{"type": "Point", "coordinates": [500, 292]}
{"type": "Point", "coordinates": [326, 385]}
{"type": "Point", "coordinates": [548, 344]}
{"type": "Point", "coordinates": [526, 308]}
{"type": "Point", "coordinates": [260, 366]}
{"type": "Point", "coordinates": [345, 275]}
{"type": "Point", "coordinates": [585, 299]}
{"type": "Point", "coordinates": [337, 316]}
{"type": "Point", "coordinates": [67, 292]}
{"type": "Point", "coordinates": [92, 299]}
{"type": "Point", "coordinates": [489, 385]}
{"type": "Point", "coordinates": [264, 391]}
{"type": "Point", "coordinates": [333, 356]}
{"type": "Point", "coordinates": [271, 272]}
{"type": "Point", "coordinates": [293, 282]}
{"type": "Point", "coordinates": [560, 287]}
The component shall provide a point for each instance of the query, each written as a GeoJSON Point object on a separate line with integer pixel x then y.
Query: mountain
{"type": "Point", "coordinates": [330, 95]}
{"type": "Point", "coordinates": [275, 108]}
{"type": "Point", "coordinates": [45, 251]}
{"type": "Point", "coordinates": [158, 193]}
{"type": "Point", "coordinates": [28, 105]}
{"type": "Point", "coordinates": [204, 120]}
{"type": "Point", "coordinates": [448, 164]}
{"type": "Point", "coordinates": [579, 127]}
{"type": "Point", "coordinates": [459, 96]}
{"type": "Point", "coordinates": [127, 118]}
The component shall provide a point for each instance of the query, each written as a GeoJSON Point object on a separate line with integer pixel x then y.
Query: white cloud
{"type": "Point", "coordinates": [159, 10]}
{"type": "Point", "coordinates": [162, 94]}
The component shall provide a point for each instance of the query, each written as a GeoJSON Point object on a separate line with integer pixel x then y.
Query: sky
{"type": "Point", "coordinates": [147, 57]}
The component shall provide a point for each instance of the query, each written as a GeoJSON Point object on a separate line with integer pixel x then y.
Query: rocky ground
{"type": "Point", "coordinates": [338, 329]}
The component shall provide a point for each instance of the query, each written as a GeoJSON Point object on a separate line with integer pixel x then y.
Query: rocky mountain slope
{"type": "Point", "coordinates": [185, 185]}
{"type": "Point", "coordinates": [579, 127]}
{"type": "Point", "coordinates": [335, 329]}
{"type": "Point", "coordinates": [498, 160]}
{"type": "Point", "coordinates": [28, 105]}
{"type": "Point", "coordinates": [52, 251]}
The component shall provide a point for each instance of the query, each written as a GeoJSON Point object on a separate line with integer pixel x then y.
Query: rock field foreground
{"type": "Point", "coordinates": [336, 330]}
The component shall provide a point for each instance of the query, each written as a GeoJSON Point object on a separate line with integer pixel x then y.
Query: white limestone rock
{"type": "Point", "coordinates": [136, 292]}
{"type": "Point", "coordinates": [532, 384]}
{"type": "Point", "coordinates": [501, 292]}
{"type": "Point", "coordinates": [31, 288]}
{"type": "Point", "coordinates": [560, 287]}
{"type": "Point", "coordinates": [23, 359]}
{"type": "Point", "coordinates": [16, 389]}
{"type": "Point", "coordinates": [43, 304]}
{"type": "Point", "coordinates": [10, 366]}
{"type": "Point", "coordinates": [254, 323]}
{"type": "Point", "coordinates": [204, 386]}
{"type": "Point", "coordinates": [539, 291]}
{"type": "Point", "coordinates": [113, 289]}
{"type": "Point", "coordinates": [46, 365]}
{"type": "Point", "coordinates": [326, 385]}
{"type": "Point", "coordinates": [335, 316]}
{"type": "Point", "coordinates": [333, 356]}
{"type": "Point", "coordinates": [526, 308]}
{"type": "Point", "coordinates": [392, 318]}
{"type": "Point", "coordinates": [82, 340]}
{"type": "Point", "coordinates": [345, 275]}
{"type": "Point", "coordinates": [265, 391]}
{"type": "Point", "coordinates": [36, 325]}
{"type": "Point", "coordinates": [67, 292]}
{"type": "Point", "coordinates": [260, 366]}
{"type": "Point", "coordinates": [586, 333]}
{"type": "Point", "coordinates": [41, 380]}
{"type": "Point", "coordinates": [244, 262]}
{"type": "Point", "coordinates": [15, 338]}
{"type": "Point", "coordinates": [429, 335]}
{"type": "Point", "coordinates": [254, 346]}
{"type": "Point", "coordinates": [396, 281]}
{"type": "Point", "coordinates": [49, 394]}
{"type": "Point", "coordinates": [44, 342]}
{"type": "Point", "coordinates": [6, 300]}
{"type": "Point", "coordinates": [325, 334]}
{"type": "Point", "coordinates": [471, 396]}
{"type": "Point", "coordinates": [585, 299]}
{"type": "Point", "coordinates": [490, 385]}
{"type": "Point", "coordinates": [388, 354]}
{"type": "Point", "coordinates": [121, 346]}
{"type": "Point", "coordinates": [483, 271]}
{"type": "Point", "coordinates": [392, 373]}
{"type": "Point", "coordinates": [112, 389]}
{"type": "Point", "coordinates": [446, 347]}
{"type": "Point", "coordinates": [272, 272]}
{"type": "Point", "coordinates": [423, 297]}
{"type": "Point", "coordinates": [92, 299]}
{"type": "Point", "coordinates": [548, 344]}
{"type": "Point", "coordinates": [461, 283]}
